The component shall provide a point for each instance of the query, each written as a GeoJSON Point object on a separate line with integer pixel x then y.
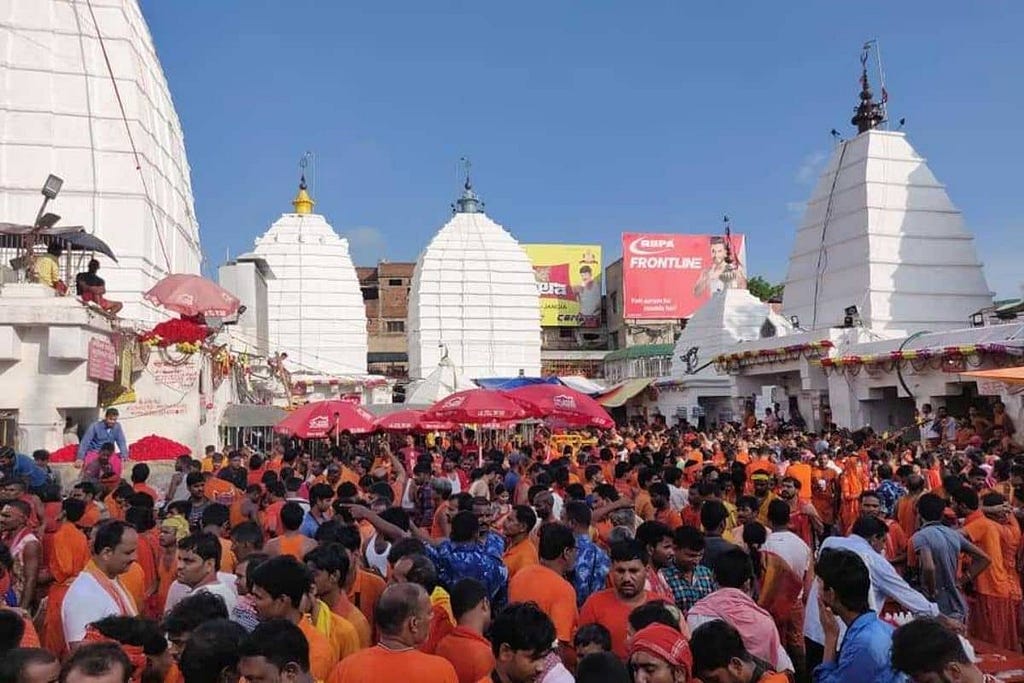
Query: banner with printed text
{"type": "Point", "coordinates": [670, 276]}
{"type": "Point", "coordinates": [569, 283]}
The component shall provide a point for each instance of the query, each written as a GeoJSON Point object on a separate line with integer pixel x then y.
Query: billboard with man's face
{"type": "Point", "coordinates": [671, 276]}
{"type": "Point", "coordinates": [569, 283]}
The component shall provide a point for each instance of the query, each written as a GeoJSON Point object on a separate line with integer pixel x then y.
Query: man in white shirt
{"type": "Point", "coordinates": [867, 539]}
{"type": "Point", "coordinates": [97, 591]}
{"type": "Point", "coordinates": [198, 562]}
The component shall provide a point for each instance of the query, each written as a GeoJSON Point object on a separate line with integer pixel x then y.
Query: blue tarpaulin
{"type": "Point", "coordinates": [508, 383]}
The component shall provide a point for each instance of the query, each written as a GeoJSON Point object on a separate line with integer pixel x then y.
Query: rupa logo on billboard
{"type": "Point", "coordinates": [671, 276]}
{"type": "Point", "coordinates": [568, 282]}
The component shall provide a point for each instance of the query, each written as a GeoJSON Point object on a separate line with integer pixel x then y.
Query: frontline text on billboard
{"type": "Point", "coordinates": [671, 276]}
{"type": "Point", "coordinates": [569, 283]}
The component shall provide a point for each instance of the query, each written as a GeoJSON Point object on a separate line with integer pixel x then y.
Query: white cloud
{"type": "Point", "coordinates": [367, 244]}
{"type": "Point", "coordinates": [810, 167]}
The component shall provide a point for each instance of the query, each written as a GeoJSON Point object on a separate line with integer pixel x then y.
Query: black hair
{"type": "Point", "coordinates": [212, 649]}
{"type": "Point", "coordinates": [654, 612]}
{"type": "Point", "coordinates": [108, 534]}
{"type": "Point", "coordinates": [652, 533]}
{"type": "Point", "coordinates": [845, 573]}
{"type": "Point", "coordinates": [141, 518]}
{"type": "Point", "coordinates": [578, 513]}
{"type": "Point", "coordinates": [283, 575]}
{"type": "Point", "coordinates": [193, 478]}
{"type": "Point", "coordinates": [869, 527]}
{"type": "Point", "coordinates": [205, 545]}
{"type": "Point", "coordinates": [628, 550]}
{"type": "Point", "coordinates": [248, 532]}
{"type": "Point", "coordinates": [926, 645]}
{"type": "Point", "coordinates": [216, 514]}
{"type": "Point", "coordinates": [318, 492]}
{"type": "Point", "coordinates": [465, 527]}
{"type": "Point", "coordinates": [601, 667]}
{"type": "Point", "coordinates": [15, 662]}
{"type": "Point", "coordinates": [422, 571]}
{"type": "Point", "coordinates": [688, 537]}
{"type": "Point", "coordinates": [930, 507]}
{"type": "Point", "coordinates": [553, 540]}
{"type": "Point", "coordinates": [12, 628]}
{"type": "Point", "coordinates": [331, 558]}
{"type": "Point", "coordinates": [466, 594]}
{"type": "Point", "coordinates": [525, 515]}
{"type": "Point", "coordinates": [593, 634]}
{"type": "Point", "coordinates": [280, 642]}
{"type": "Point", "coordinates": [715, 644]}
{"type": "Point", "coordinates": [778, 512]}
{"type": "Point", "coordinates": [713, 514]}
{"type": "Point", "coordinates": [136, 631]}
{"type": "Point", "coordinates": [522, 627]}
{"type": "Point", "coordinates": [292, 515]}
{"type": "Point", "coordinates": [192, 611]}
{"type": "Point", "coordinates": [732, 568]}
{"type": "Point", "coordinates": [97, 659]}
{"type": "Point", "coordinates": [403, 547]}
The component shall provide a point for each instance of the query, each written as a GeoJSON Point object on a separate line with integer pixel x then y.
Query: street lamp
{"type": "Point", "coordinates": [51, 188]}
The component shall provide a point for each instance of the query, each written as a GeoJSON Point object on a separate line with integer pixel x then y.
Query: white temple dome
{"type": "Point", "coordinates": [474, 295]}
{"type": "Point", "coordinates": [60, 115]}
{"type": "Point", "coordinates": [880, 233]}
{"type": "Point", "coordinates": [315, 307]}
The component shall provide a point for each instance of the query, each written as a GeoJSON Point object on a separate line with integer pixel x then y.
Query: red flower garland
{"type": "Point", "coordinates": [155, 447]}
{"type": "Point", "coordinates": [176, 331]}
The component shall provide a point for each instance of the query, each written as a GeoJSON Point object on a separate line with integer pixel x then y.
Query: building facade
{"type": "Point", "coordinates": [385, 290]}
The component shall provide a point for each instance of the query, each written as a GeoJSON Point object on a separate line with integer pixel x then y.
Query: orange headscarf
{"type": "Point", "coordinates": [135, 654]}
{"type": "Point", "coordinates": [664, 642]}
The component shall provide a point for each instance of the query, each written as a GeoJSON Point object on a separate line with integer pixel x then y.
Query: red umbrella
{"type": "Point", "coordinates": [477, 406]}
{"type": "Point", "coordinates": [410, 420]}
{"type": "Point", "coordinates": [323, 418]}
{"type": "Point", "coordinates": [561, 406]}
{"type": "Point", "coordinates": [193, 295]}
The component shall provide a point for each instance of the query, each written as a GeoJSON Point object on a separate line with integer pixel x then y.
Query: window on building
{"type": "Point", "coordinates": [613, 297]}
{"type": "Point", "coordinates": [370, 294]}
{"type": "Point", "coordinates": [614, 340]}
{"type": "Point", "coordinates": [394, 326]}
{"type": "Point", "coordinates": [566, 332]}
{"type": "Point", "coordinates": [395, 282]}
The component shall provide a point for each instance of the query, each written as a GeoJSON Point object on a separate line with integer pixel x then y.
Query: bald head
{"type": "Point", "coordinates": [397, 604]}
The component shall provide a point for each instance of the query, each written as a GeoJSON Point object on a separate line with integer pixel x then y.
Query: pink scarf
{"type": "Point", "coordinates": [756, 626]}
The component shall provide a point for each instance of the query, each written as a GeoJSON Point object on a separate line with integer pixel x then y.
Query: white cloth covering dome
{"type": "Point", "coordinates": [474, 293]}
{"type": "Point", "coordinates": [59, 114]}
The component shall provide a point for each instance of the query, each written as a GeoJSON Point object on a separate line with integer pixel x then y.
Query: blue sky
{"type": "Point", "coordinates": [583, 120]}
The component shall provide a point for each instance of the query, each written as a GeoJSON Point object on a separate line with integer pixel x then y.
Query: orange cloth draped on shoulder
{"type": "Point", "coordinates": [643, 506]}
{"type": "Point", "coordinates": [365, 592]}
{"type": "Point", "coordinates": [469, 652]}
{"type": "Point", "coordinates": [435, 523]}
{"type": "Point", "coordinates": [227, 556]}
{"type": "Point", "coordinates": [895, 540]}
{"type": "Point", "coordinates": [69, 557]}
{"type": "Point", "coordinates": [91, 517]}
{"type": "Point", "coordinates": [321, 654]}
{"type": "Point", "coordinates": [823, 493]}
{"type": "Point", "coordinates": [142, 487]}
{"type": "Point", "coordinates": [344, 608]}
{"type": "Point", "coordinates": [851, 485]}
{"type": "Point", "coordinates": [780, 596]}
{"type": "Point", "coordinates": [992, 616]}
{"type": "Point", "coordinates": [522, 554]}
{"type": "Point", "coordinates": [801, 471]}
{"type": "Point", "coordinates": [378, 664]}
{"type": "Point", "coordinates": [272, 518]}
{"type": "Point", "coordinates": [906, 514]}
{"type": "Point", "coordinates": [221, 491]}
{"type": "Point", "coordinates": [441, 625]}
{"type": "Point", "coordinates": [146, 555]}
{"type": "Point", "coordinates": [669, 518]}
{"type": "Point", "coordinates": [114, 509]}
{"type": "Point", "coordinates": [167, 572]}
{"type": "Point", "coordinates": [134, 581]}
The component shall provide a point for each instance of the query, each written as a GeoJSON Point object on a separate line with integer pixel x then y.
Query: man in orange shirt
{"type": "Point", "coordinates": [611, 607]}
{"type": "Point", "coordinates": [216, 520]}
{"type": "Point", "coordinates": [278, 587]}
{"type": "Point", "coordinates": [802, 472]}
{"type": "Point", "coordinates": [403, 618]}
{"type": "Point", "coordinates": [895, 540]}
{"type": "Point", "coordinates": [642, 503]}
{"type": "Point", "coordinates": [362, 587]}
{"type": "Point", "coordinates": [291, 541]}
{"type": "Point", "coordinates": [992, 614]}
{"type": "Point", "coordinates": [521, 638]}
{"type": "Point", "coordinates": [69, 557]}
{"type": "Point", "coordinates": [140, 475]}
{"type": "Point", "coordinates": [330, 564]}
{"type": "Point", "coordinates": [465, 647]}
{"type": "Point", "coordinates": [851, 485]}
{"type": "Point", "coordinates": [663, 512]}
{"type": "Point", "coordinates": [85, 491]}
{"type": "Point", "coordinates": [824, 490]}
{"type": "Point", "coordinates": [544, 583]}
{"type": "Point", "coordinates": [519, 550]}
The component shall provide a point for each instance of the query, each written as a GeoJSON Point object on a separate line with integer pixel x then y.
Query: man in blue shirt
{"type": "Point", "coordinates": [866, 647]}
{"type": "Point", "coordinates": [464, 557]}
{"type": "Point", "coordinates": [107, 430]}
{"type": "Point", "coordinates": [20, 466]}
{"type": "Point", "coordinates": [590, 574]}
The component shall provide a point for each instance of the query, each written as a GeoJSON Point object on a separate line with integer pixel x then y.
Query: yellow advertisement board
{"type": "Point", "coordinates": [569, 283]}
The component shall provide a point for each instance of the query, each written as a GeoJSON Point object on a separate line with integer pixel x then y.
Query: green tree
{"type": "Point", "coordinates": [762, 289]}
